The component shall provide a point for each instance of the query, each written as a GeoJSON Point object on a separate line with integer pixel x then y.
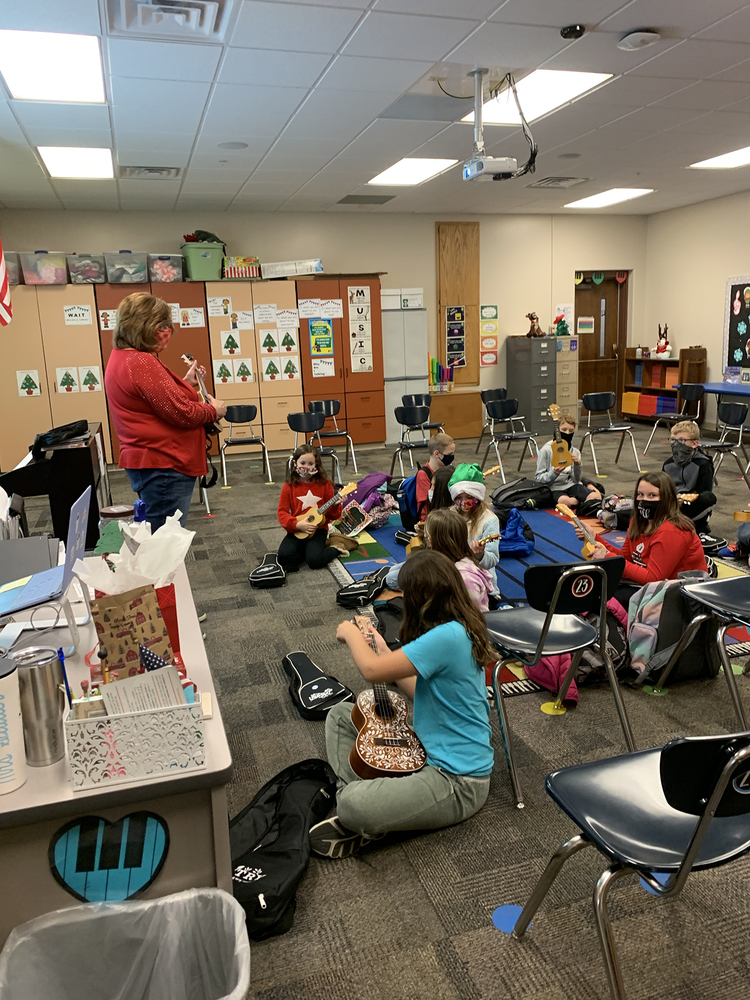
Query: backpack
{"type": "Point", "coordinates": [407, 498]}
{"type": "Point", "coordinates": [390, 614]}
{"type": "Point", "coordinates": [367, 493]}
{"type": "Point", "coordinates": [57, 436]}
{"type": "Point", "coordinates": [270, 843]}
{"type": "Point", "coordinates": [270, 573]}
{"type": "Point", "coordinates": [362, 592]}
{"type": "Point", "coordinates": [658, 615]}
{"type": "Point", "coordinates": [592, 662]}
{"type": "Point", "coordinates": [518, 538]}
{"type": "Point", "coordinates": [621, 507]}
{"type": "Point", "coordinates": [525, 494]}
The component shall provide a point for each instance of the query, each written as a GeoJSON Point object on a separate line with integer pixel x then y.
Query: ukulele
{"type": "Point", "coordinates": [387, 746]}
{"type": "Point", "coordinates": [687, 497]}
{"type": "Point", "coordinates": [202, 393]}
{"type": "Point", "coordinates": [315, 514]}
{"type": "Point", "coordinates": [560, 451]}
{"type": "Point", "coordinates": [590, 543]}
{"type": "Point", "coordinates": [418, 543]}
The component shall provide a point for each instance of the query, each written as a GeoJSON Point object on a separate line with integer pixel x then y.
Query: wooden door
{"type": "Point", "coordinates": [72, 353]}
{"type": "Point", "coordinates": [598, 306]}
{"type": "Point", "coordinates": [25, 412]}
{"type": "Point", "coordinates": [323, 379]}
{"type": "Point", "coordinates": [457, 249]}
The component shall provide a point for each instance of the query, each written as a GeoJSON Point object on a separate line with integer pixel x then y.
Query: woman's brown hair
{"type": "Point", "coordinates": [305, 449]}
{"type": "Point", "coordinates": [434, 593]}
{"type": "Point", "coordinates": [448, 534]}
{"type": "Point", "coordinates": [668, 509]}
{"type": "Point", "coordinates": [139, 316]}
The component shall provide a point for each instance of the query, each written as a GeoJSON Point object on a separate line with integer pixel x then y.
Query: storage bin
{"type": "Point", "coordinates": [126, 268]}
{"type": "Point", "coordinates": [165, 267]}
{"type": "Point", "coordinates": [647, 405]}
{"type": "Point", "coordinates": [630, 402]}
{"type": "Point", "coordinates": [13, 268]}
{"type": "Point", "coordinates": [87, 268]}
{"type": "Point", "coordinates": [241, 267]}
{"type": "Point", "coordinates": [203, 260]}
{"type": "Point", "coordinates": [44, 267]}
{"type": "Point", "coordinates": [287, 268]}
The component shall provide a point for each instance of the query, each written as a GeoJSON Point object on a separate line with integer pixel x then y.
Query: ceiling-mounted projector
{"type": "Point", "coordinates": [489, 168]}
{"type": "Point", "coordinates": [479, 166]}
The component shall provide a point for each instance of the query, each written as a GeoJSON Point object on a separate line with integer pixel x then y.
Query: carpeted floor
{"type": "Point", "coordinates": [412, 919]}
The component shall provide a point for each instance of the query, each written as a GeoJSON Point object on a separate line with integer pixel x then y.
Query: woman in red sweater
{"type": "Point", "coordinates": [157, 416]}
{"type": "Point", "coordinates": [306, 487]}
{"type": "Point", "coordinates": [660, 543]}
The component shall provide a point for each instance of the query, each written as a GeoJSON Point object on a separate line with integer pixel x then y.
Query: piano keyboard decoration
{"type": "Point", "coordinates": [97, 861]}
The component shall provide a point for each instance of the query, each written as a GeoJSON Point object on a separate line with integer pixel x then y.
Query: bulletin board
{"type": "Point", "coordinates": [737, 323]}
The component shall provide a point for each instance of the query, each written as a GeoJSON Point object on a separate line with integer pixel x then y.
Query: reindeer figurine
{"type": "Point", "coordinates": [534, 329]}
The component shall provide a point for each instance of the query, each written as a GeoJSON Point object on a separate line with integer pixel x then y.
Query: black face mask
{"type": "Point", "coordinates": [681, 453]}
{"type": "Point", "coordinates": [647, 508]}
{"type": "Point", "coordinates": [447, 459]}
{"type": "Point", "coordinates": [567, 438]}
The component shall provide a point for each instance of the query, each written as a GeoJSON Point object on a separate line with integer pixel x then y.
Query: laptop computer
{"type": "Point", "coordinates": [52, 583]}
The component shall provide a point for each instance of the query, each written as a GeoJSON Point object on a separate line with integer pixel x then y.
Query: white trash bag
{"type": "Point", "coordinates": [192, 945]}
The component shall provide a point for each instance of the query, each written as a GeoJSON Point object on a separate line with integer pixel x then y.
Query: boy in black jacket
{"type": "Point", "coordinates": [692, 472]}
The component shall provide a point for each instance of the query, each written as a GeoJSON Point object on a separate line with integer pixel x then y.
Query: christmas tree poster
{"type": "Point", "coordinates": [223, 372]}
{"type": "Point", "coordinates": [288, 342]}
{"type": "Point", "coordinates": [269, 341]}
{"type": "Point", "coordinates": [231, 342]}
{"type": "Point", "coordinates": [90, 379]}
{"type": "Point", "coordinates": [291, 367]}
{"type": "Point", "coordinates": [67, 379]}
{"type": "Point", "coordinates": [271, 370]}
{"type": "Point", "coordinates": [28, 383]}
{"type": "Point", "coordinates": [243, 370]}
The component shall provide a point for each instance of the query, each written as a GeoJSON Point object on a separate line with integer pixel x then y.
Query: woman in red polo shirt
{"type": "Point", "coordinates": [157, 415]}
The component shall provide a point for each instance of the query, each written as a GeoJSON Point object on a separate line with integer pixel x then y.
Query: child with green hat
{"type": "Point", "coordinates": [468, 494]}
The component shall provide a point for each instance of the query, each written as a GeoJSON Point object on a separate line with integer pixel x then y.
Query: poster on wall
{"type": "Point", "coordinates": [107, 319]}
{"type": "Point", "coordinates": [223, 371]}
{"type": "Point", "coordinates": [242, 320]}
{"type": "Point", "coordinates": [487, 358]}
{"type": "Point", "coordinates": [287, 318]}
{"type": "Point", "coordinates": [269, 341]}
{"type": "Point", "coordinates": [290, 367]}
{"type": "Point", "coordinates": [175, 307]}
{"type": "Point", "coordinates": [585, 324]}
{"type": "Point", "coordinates": [231, 343]}
{"type": "Point", "coordinates": [190, 317]}
{"type": "Point", "coordinates": [66, 379]}
{"type": "Point", "coordinates": [488, 312]}
{"type": "Point", "coordinates": [265, 312]}
{"type": "Point", "coordinates": [455, 336]}
{"type": "Point", "coordinates": [360, 341]}
{"type": "Point", "coordinates": [323, 368]}
{"type": "Point", "coordinates": [28, 382]}
{"type": "Point", "coordinates": [271, 370]}
{"type": "Point", "coordinates": [219, 306]}
{"type": "Point", "coordinates": [77, 315]}
{"type": "Point", "coordinates": [243, 370]}
{"type": "Point", "coordinates": [309, 308]}
{"type": "Point", "coordinates": [90, 378]}
{"type": "Point", "coordinates": [288, 343]}
{"type": "Point", "coordinates": [321, 336]}
{"type": "Point", "coordinates": [358, 294]}
{"type": "Point", "coordinates": [736, 324]}
{"type": "Point", "coordinates": [331, 309]}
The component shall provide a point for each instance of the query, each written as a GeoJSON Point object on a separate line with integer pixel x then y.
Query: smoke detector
{"type": "Point", "coordinates": [636, 40]}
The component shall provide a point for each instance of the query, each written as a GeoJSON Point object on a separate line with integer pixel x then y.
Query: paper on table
{"type": "Point", "coordinates": [144, 692]}
{"type": "Point", "coordinates": [14, 583]}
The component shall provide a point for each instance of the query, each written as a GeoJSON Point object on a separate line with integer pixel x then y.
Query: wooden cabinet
{"type": "Point", "coordinates": [279, 364]}
{"type": "Point", "coordinates": [649, 385]}
{"type": "Point", "coordinates": [316, 364]}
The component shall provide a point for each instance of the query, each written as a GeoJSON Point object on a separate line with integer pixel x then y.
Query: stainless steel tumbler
{"type": "Point", "coordinates": [42, 687]}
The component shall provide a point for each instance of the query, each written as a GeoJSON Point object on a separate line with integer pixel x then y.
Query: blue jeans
{"type": "Point", "coordinates": [164, 491]}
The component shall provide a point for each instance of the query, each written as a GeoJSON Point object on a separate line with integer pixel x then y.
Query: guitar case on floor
{"type": "Point", "coordinates": [270, 573]}
{"type": "Point", "coordinates": [313, 692]}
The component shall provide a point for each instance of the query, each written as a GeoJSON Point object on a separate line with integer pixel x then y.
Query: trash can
{"type": "Point", "coordinates": [204, 260]}
{"type": "Point", "coordinates": [192, 945]}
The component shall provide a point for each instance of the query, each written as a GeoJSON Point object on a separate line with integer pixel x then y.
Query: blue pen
{"type": "Point", "coordinates": [61, 657]}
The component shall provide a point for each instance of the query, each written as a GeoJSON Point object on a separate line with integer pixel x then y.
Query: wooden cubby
{"type": "Point", "coordinates": [689, 366]}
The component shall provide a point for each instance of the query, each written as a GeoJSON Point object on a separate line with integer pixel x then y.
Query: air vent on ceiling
{"type": "Point", "coordinates": [199, 20]}
{"type": "Point", "coordinates": [558, 183]}
{"type": "Point", "coordinates": [366, 199]}
{"type": "Point", "coordinates": [149, 173]}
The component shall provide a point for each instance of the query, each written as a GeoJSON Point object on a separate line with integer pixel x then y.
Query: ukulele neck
{"type": "Point", "coordinates": [329, 503]}
{"type": "Point", "coordinates": [586, 532]}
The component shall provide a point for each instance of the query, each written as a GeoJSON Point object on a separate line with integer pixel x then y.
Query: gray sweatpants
{"type": "Point", "coordinates": [427, 800]}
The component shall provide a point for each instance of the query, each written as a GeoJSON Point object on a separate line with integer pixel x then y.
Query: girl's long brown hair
{"type": "Point", "coordinates": [440, 493]}
{"type": "Point", "coordinates": [434, 594]}
{"type": "Point", "coordinates": [305, 449]}
{"type": "Point", "coordinates": [667, 510]}
{"type": "Point", "coordinates": [448, 534]}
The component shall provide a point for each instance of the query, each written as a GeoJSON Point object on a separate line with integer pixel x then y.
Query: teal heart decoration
{"type": "Point", "coordinates": [98, 861]}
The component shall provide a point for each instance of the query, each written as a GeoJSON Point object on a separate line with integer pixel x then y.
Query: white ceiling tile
{"type": "Point", "coordinates": [151, 158]}
{"type": "Point", "coordinates": [256, 110]}
{"type": "Point", "coordinates": [219, 176]}
{"type": "Point", "coordinates": [47, 200]}
{"type": "Point", "coordinates": [269, 67]}
{"type": "Point", "coordinates": [208, 144]}
{"type": "Point", "coordinates": [740, 73]}
{"type": "Point", "coordinates": [10, 130]}
{"type": "Point", "coordinates": [656, 119]}
{"type": "Point", "coordinates": [734, 125]}
{"type": "Point", "coordinates": [453, 141]}
{"type": "Point", "coordinates": [148, 188]}
{"type": "Point", "coordinates": [741, 107]}
{"type": "Point", "coordinates": [509, 45]}
{"type": "Point", "coordinates": [224, 160]}
{"type": "Point", "coordinates": [166, 106]}
{"type": "Point", "coordinates": [636, 91]}
{"type": "Point", "coordinates": [162, 60]}
{"type": "Point", "coordinates": [258, 203]}
{"type": "Point", "coordinates": [284, 164]}
{"type": "Point", "coordinates": [707, 95]}
{"type": "Point", "coordinates": [97, 138]}
{"type": "Point", "coordinates": [209, 190]}
{"type": "Point", "coordinates": [38, 114]}
{"type": "Point", "coordinates": [81, 189]}
{"type": "Point", "coordinates": [361, 73]}
{"type": "Point", "coordinates": [293, 26]}
{"type": "Point", "coordinates": [597, 52]}
{"type": "Point", "coordinates": [678, 18]}
{"type": "Point", "coordinates": [147, 204]}
{"type": "Point", "coordinates": [542, 12]}
{"type": "Point", "coordinates": [478, 9]}
{"type": "Point", "coordinates": [403, 36]}
{"type": "Point", "coordinates": [298, 150]}
{"type": "Point", "coordinates": [175, 142]}
{"type": "Point", "coordinates": [270, 189]}
{"type": "Point", "coordinates": [306, 203]}
{"type": "Point", "coordinates": [695, 59]}
{"type": "Point", "coordinates": [392, 137]}
{"type": "Point", "coordinates": [108, 203]}
{"type": "Point", "coordinates": [70, 16]}
{"type": "Point", "coordinates": [734, 28]}
{"type": "Point", "coordinates": [334, 113]}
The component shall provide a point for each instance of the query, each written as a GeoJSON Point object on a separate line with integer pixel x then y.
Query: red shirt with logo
{"type": "Point", "coordinates": [661, 555]}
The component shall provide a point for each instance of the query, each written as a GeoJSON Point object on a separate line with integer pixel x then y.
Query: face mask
{"type": "Point", "coordinates": [467, 504]}
{"type": "Point", "coordinates": [305, 473]}
{"type": "Point", "coordinates": [447, 459]}
{"type": "Point", "coordinates": [162, 337]}
{"type": "Point", "coordinates": [647, 508]}
{"type": "Point", "coordinates": [430, 495]}
{"type": "Point", "coordinates": [681, 453]}
{"type": "Point", "coordinates": [568, 438]}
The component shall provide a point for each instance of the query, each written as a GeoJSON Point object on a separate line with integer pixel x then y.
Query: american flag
{"type": "Point", "coordinates": [6, 309]}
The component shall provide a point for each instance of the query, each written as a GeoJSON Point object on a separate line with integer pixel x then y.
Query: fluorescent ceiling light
{"type": "Point", "coordinates": [411, 170]}
{"type": "Point", "coordinates": [727, 161]}
{"type": "Point", "coordinates": [611, 197]}
{"type": "Point", "coordinates": [49, 66]}
{"type": "Point", "coordinates": [77, 161]}
{"type": "Point", "coordinates": [540, 92]}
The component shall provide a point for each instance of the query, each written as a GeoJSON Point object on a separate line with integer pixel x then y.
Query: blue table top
{"type": "Point", "coordinates": [728, 388]}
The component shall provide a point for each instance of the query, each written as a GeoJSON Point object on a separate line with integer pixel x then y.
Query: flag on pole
{"type": "Point", "coordinates": [6, 309]}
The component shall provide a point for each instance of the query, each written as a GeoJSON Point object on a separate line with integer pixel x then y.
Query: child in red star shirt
{"type": "Point", "coordinates": [306, 487]}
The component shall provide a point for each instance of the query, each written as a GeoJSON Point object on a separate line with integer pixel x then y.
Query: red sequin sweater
{"type": "Point", "coordinates": [157, 416]}
{"type": "Point", "coordinates": [296, 499]}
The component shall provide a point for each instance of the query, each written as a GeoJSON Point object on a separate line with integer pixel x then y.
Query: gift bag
{"type": "Point", "coordinates": [123, 622]}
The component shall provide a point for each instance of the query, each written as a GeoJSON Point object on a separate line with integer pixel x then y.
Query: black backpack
{"type": "Point", "coordinates": [390, 614]}
{"type": "Point", "coordinates": [525, 494]}
{"type": "Point", "coordinates": [270, 573]}
{"type": "Point", "coordinates": [270, 844]}
{"type": "Point", "coordinates": [362, 592]}
{"type": "Point", "coordinates": [57, 435]}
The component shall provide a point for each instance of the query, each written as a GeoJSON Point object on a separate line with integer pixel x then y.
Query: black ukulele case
{"type": "Point", "coordinates": [313, 692]}
{"type": "Point", "coordinates": [270, 573]}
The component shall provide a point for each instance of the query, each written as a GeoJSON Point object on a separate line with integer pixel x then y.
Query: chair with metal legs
{"type": "Point", "coordinates": [331, 407]}
{"type": "Point", "coordinates": [602, 402]}
{"type": "Point", "coordinates": [502, 411]}
{"type": "Point", "coordinates": [550, 626]}
{"type": "Point", "coordinates": [309, 424]}
{"type": "Point", "coordinates": [663, 812]}
{"type": "Point", "coordinates": [409, 417]}
{"type": "Point", "coordinates": [491, 395]}
{"type": "Point", "coordinates": [237, 416]}
{"type": "Point", "coordinates": [690, 392]}
{"type": "Point", "coordinates": [732, 417]}
{"type": "Point", "coordinates": [422, 399]}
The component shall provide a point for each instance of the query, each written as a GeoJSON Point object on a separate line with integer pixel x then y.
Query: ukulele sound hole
{"type": "Point", "coordinates": [384, 741]}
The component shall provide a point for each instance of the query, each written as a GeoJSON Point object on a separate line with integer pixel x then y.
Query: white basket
{"type": "Point", "coordinates": [114, 749]}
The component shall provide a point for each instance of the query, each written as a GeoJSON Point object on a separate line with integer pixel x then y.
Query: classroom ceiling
{"type": "Point", "coordinates": [326, 95]}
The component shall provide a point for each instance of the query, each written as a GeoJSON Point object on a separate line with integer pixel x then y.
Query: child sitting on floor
{"type": "Point", "coordinates": [306, 487]}
{"type": "Point", "coordinates": [445, 531]}
{"type": "Point", "coordinates": [567, 483]}
{"type": "Point", "coordinates": [442, 449]}
{"type": "Point", "coordinates": [468, 493]}
{"type": "Point", "coordinates": [691, 471]}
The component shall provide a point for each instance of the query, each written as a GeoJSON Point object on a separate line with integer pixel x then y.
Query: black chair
{"type": "Point", "coordinates": [502, 411]}
{"type": "Point", "coordinates": [602, 402]}
{"type": "Point", "coordinates": [668, 811]}
{"type": "Point", "coordinates": [237, 416]}
{"type": "Point", "coordinates": [550, 626]}
{"type": "Point", "coordinates": [690, 392]}
{"type": "Point", "coordinates": [732, 417]}
{"type": "Point", "coordinates": [409, 416]}
{"type": "Point", "coordinates": [491, 395]}
{"type": "Point", "coordinates": [309, 424]}
{"type": "Point", "coordinates": [421, 399]}
{"type": "Point", "coordinates": [331, 407]}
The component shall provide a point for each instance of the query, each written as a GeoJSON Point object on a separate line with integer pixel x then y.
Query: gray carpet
{"type": "Point", "coordinates": [412, 919]}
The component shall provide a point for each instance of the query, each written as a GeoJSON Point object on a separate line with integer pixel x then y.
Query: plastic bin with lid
{"type": "Point", "coordinates": [44, 267]}
{"type": "Point", "coordinates": [126, 267]}
{"type": "Point", "coordinates": [87, 268]}
{"type": "Point", "coordinates": [13, 268]}
{"type": "Point", "coordinates": [203, 260]}
{"type": "Point", "coordinates": [165, 267]}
